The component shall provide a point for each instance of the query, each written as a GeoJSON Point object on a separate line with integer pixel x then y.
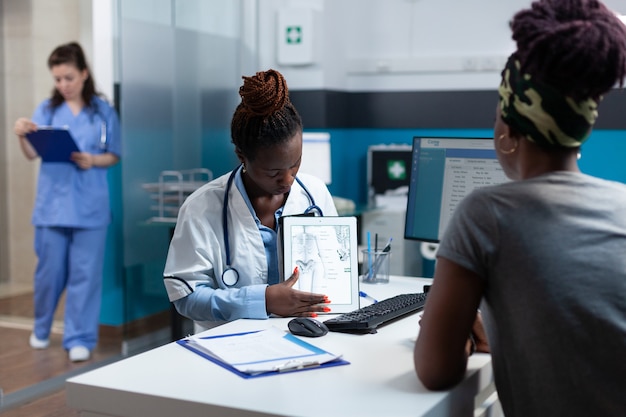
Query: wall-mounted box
{"type": "Point", "coordinates": [295, 34]}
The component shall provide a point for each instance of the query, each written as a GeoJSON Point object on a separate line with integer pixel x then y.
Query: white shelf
{"type": "Point", "coordinates": [171, 191]}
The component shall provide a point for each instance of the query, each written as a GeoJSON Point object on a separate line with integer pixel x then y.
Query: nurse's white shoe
{"type": "Point", "coordinates": [79, 354]}
{"type": "Point", "coordinates": [36, 343]}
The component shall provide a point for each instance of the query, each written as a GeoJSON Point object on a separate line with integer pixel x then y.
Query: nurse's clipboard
{"type": "Point", "coordinates": [53, 144]}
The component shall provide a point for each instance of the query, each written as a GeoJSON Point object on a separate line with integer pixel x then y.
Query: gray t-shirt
{"type": "Point", "coordinates": [552, 250]}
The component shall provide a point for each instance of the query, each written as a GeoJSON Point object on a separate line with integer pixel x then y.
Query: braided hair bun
{"type": "Point", "coordinates": [265, 117]}
{"type": "Point", "coordinates": [264, 94]}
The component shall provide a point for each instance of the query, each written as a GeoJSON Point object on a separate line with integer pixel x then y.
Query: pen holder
{"type": "Point", "coordinates": [375, 267]}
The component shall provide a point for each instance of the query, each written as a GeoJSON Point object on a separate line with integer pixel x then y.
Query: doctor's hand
{"type": "Point", "coordinates": [281, 299]}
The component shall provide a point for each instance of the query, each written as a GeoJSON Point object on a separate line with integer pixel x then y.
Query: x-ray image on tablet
{"type": "Point", "coordinates": [325, 251]}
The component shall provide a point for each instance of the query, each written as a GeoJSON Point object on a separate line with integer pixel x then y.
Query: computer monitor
{"type": "Point", "coordinates": [388, 175]}
{"type": "Point", "coordinates": [387, 167]}
{"type": "Point", "coordinates": [443, 171]}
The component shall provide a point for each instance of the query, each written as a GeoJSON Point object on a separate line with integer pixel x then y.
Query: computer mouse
{"type": "Point", "coordinates": [307, 326]}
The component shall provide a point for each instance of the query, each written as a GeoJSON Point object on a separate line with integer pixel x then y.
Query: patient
{"type": "Point", "coordinates": [545, 253]}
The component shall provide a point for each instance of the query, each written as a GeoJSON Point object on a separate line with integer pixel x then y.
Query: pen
{"type": "Point", "coordinates": [368, 297]}
{"type": "Point", "coordinates": [296, 366]}
{"type": "Point", "coordinates": [387, 247]}
{"type": "Point", "coordinates": [369, 256]}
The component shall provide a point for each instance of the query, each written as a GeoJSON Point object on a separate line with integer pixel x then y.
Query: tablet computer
{"type": "Point", "coordinates": [325, 251]}
{"type": "Point", "coordinates": [53, 144]}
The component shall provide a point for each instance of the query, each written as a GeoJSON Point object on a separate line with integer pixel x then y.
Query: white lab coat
{"type": "Point", "coordinates": [197, 255]}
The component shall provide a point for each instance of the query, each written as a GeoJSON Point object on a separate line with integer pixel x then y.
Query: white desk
{"type": "Point", "coordinates": [380, 380]}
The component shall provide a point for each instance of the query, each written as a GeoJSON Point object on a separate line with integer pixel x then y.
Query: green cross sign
{"type": "Point", "coordinates": [294, 34]}
{"type": "Point", "coordinates": [396, 169]}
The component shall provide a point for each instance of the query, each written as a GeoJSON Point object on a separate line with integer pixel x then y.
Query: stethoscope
{"type": "Point", "coordinates": [230, 276]}
{"type": "Point", "coordinates": [103, 126]}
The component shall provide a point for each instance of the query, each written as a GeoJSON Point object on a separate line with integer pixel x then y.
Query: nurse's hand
{"type": "Point", "coordinates": [84, 160]}
{"type": "Point", "coordinates": [24, 126]}
{"type": "Point", "coordinates": [281, 299]}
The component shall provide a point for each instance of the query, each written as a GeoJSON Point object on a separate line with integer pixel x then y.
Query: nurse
{"type": "Point", "coordinates": [71, 212]}
{"type": "Point", "coordinates": [223, 259]}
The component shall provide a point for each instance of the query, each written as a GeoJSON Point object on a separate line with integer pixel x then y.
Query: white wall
{"type": "Point", "coordinates": [103, 37]}
{"type": "Point", "coordinates": [399, 45]}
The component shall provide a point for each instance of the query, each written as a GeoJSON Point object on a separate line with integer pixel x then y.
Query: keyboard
{"type": "Point", "coordinates": [368, 318]}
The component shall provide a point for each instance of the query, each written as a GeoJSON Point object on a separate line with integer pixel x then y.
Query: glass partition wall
{"type": "Point", "coordinates": [179, 73]}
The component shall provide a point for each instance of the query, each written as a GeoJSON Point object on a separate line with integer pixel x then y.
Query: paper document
{"type": "Point", "coordinates": [270, 350]}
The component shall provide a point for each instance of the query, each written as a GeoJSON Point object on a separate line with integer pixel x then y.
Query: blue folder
{"type": "Point", "coordinates": [53, 144]}
{"type": "Point", "coordinates": [184, 343]}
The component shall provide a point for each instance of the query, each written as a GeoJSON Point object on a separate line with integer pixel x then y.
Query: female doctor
{"type": "Point", "coordinates": [223, 259]}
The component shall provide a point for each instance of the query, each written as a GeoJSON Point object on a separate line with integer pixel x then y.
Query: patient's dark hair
{"type": "Point", "coordinates": [265, 117]}
{"type": "Point", "coordinates": [576, 46]}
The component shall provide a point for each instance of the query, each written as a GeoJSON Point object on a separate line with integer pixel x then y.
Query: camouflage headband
{"type": "Point", "coordinates": [542, 114]}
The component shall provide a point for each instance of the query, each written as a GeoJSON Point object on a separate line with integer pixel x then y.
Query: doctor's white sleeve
{"type": "Point", "coordinates": [189, 277]}
{"type": "Point", "coordinates": [208, 304]}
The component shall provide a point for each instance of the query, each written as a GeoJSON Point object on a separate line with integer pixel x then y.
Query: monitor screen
{"type": "Point", "coordinates": [443, 171]}
{"type": "Point", "coordinates": [388, 167]}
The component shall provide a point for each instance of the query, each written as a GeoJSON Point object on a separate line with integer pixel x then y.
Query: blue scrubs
{"type": "Point", "coordinates": [71, 216]}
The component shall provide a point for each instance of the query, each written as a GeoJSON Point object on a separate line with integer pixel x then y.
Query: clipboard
{"type": "Point", "coordinates": [53, 144]}
{"type": "Point", "coordinates": [287, 364]}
